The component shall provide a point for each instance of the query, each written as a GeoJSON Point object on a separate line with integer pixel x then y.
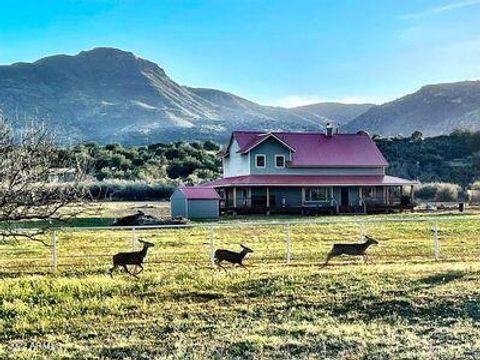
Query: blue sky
{"type": "Point", "coordinates": [275, 52]}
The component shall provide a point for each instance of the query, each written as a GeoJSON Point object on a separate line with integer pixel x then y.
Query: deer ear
{"type": "Point", "coordinates": [242, 246]}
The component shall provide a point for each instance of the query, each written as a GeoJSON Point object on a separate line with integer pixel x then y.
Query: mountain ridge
{"type": "Point", "coordinates": [110, 95]}
{"type": "Point", "coordinates": [435, 109]}
{"type": "Point", "coordinates": [107, 95]}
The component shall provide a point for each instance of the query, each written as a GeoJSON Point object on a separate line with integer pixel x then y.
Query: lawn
{"type": "Point", "coordinates": [350, 312]}
{"type": "Point", "coordinates": [402, 304]}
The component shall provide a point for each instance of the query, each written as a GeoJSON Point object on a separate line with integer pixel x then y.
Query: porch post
{"type": "Point", "coordinates": [234, 198]}
{"type": "Point", "coordinates": [411, 194]}
{"type": "Point", "coordinates": [303, 195]}
{"type": "Point", "coordinates": [268, 200]}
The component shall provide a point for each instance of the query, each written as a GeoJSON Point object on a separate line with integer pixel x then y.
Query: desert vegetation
{"type": "Point", "coordinates": [152, 172]}
{"type": "Point", "coordinates": [453, 158]}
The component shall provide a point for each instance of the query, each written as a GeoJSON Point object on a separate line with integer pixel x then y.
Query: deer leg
{"type": "Point", "coordinates": [243, 266]}
{"type": "Point", "coordinates": [365, 258]}
{"type": "Point", "coordinates": [111, 270]}
{"type": "Point", "coordinates": [141, 269]}
{"type": "Point", "coordinates": [218, 262]}
{"type": "Point", "coordinates": [329, 256]}
{"type": "Point", "coordinates": [128, 271]}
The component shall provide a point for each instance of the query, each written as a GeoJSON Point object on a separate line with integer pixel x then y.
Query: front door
{"type": "Point", "coordinates": [344, 200]}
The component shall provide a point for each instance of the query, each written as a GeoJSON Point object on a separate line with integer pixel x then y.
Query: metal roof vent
{"type": "Point", "coordinates": [329, 130]}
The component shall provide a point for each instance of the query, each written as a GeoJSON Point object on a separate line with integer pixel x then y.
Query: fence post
{"type": "Point", "coordinates": [288, 242]}
{"type": "Point", "coordinates": [362, 231]}
{"type": "Point", "coordinates": [134, 239]}
{"type": "Point", "coordinates": [212, 245]}
{"type": "Point", "coordinates": [436, 243]}
{"type": "Point", "coordinates": [54, 251]}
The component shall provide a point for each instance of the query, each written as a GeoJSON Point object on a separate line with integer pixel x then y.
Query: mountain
{"type": "Point", "coordinates": [337, 112]}
{"type": "Point", "coordinates": [434, 110]}
{"type": "Point", "coordinates": [110, 95]}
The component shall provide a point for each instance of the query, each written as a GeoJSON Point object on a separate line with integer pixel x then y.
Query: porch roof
{"type": "Point", "coordinates": [308, 180]}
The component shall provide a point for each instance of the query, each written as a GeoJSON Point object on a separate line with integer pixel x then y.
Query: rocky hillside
{"type": "Point", "coordinates": [109, 95]}
{"type": "Point", "coordinates": [434, 110]}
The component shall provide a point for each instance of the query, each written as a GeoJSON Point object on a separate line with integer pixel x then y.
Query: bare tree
{"type": "Point", "coordinates": [27, 196]}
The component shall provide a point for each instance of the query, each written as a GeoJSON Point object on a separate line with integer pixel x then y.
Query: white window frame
{"type": "Point", "coordinates": [264, 161]}
{"type": "Point", "coordinates": [279, 156]}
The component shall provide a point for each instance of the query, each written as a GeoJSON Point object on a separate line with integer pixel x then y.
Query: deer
{"type": "Point", "coordinates": [231, 256]}
{"type": "Point", "coordinates": [131, 258]}
{"type": "Point", "coordinates": [351, 249]}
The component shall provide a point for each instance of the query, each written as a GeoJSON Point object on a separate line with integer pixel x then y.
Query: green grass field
{"type": "Point", "coordinates": [402, 304]}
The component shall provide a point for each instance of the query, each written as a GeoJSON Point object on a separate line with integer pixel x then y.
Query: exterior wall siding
{"type": "Point", "coordinates": [270, 148]}
{"type": "Point", "coordinates": [177, 204]}
{"type": "Point", "coordinates": [236, 164]}
{"type": "Point", "coordinates": [203, 209]}
{"type": "Point", "coordinates": [293, 196]}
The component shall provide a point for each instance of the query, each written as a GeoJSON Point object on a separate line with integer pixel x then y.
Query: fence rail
{"type": "Point", "coordinates": [88, 249]}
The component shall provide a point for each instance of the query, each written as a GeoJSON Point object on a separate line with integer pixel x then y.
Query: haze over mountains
{"type": "Point", "coordinates": [108, 95]}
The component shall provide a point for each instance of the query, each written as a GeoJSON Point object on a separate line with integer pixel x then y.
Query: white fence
{"type": "Point", "coordinates": [89, 249]}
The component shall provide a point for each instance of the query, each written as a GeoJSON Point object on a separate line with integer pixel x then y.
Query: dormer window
{"type": "Point", "coordinates": [260, 161]}
{"type": "Point", "coordinates": [280, 161]}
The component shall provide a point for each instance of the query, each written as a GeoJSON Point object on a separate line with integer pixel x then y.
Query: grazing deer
{"type": "Point", "coordinates": [351, 249]}
{"type": "Point", "coordinates": [131, 258]}
{"type": "Point", "coordinates": [231, 256]}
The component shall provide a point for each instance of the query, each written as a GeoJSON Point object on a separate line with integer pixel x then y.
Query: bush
{"type": "Point", "coordinates": [447, 192]}
{"type": "Point", "coordinates": [426, 191]}
{"type": "Point", "coordinates": [442, 192]}
{"type": "Point", "coordinates": [121, 190]}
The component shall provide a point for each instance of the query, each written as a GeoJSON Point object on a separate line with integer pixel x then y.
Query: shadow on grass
{"type": "Point", "coordinates": [196, 296]}
{"type": "Point", "coordinates": [441, 278]}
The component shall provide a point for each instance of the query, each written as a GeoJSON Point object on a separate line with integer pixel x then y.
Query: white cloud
{"type": "Point", "coordinates": [441, 9]}
{"type": "Point", "coordinates": [291, 101]}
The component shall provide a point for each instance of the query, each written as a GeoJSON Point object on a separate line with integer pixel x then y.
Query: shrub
{"type": "Point", "coordinates": [447, 192]}
{"type": "Point", "coordinates": [426, 191]}
{"type": "Point", "coordinates": [443, 192]}
{"type": "Point", "coordinates": [121, 190]}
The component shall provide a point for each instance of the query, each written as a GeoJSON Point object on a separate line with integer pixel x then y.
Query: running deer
{"type": "Point", "coordinates": [351, 249]}
{"type": "Point", "coordinates": [131, 258]}
{"type": "Point", "coordinates": [231, 256]}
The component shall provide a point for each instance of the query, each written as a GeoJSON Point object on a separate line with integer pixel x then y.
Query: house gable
{"type": "Point", "coordinates": [269, 148]}
{"type": "Point", "coordinates": [261, 138]}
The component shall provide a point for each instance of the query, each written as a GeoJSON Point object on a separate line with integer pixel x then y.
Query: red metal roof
{"type": "Point", "coordinates": [199, 193]}
{"type": "Point", "coordinates": [297, 180]}
{"type": "Point", "coordinates": [317, 149]}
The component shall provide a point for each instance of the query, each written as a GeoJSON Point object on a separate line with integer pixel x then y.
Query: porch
{"type": "Point", "coordinates": [312, 200]}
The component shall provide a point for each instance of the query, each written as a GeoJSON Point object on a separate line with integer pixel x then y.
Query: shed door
{"type": "Point", "coordinates": [344, 199]}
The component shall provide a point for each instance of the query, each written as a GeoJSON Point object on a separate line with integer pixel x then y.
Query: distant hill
{"type": "Point", "coordinates": [434, 110]}
{"type": "Point", "coordinates": [337, 112]}
{"type": "Point", "coordinates": [109, 95]}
